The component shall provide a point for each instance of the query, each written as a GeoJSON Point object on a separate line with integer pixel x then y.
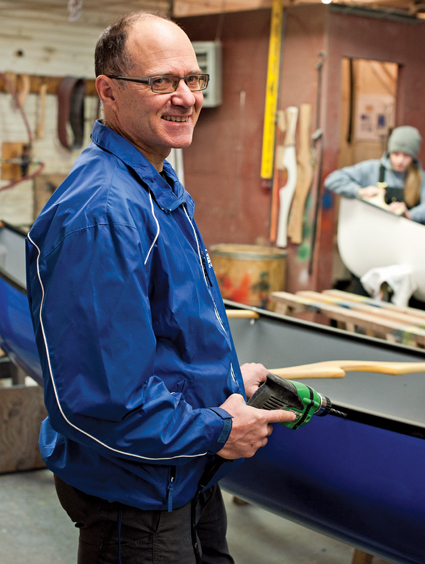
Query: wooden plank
{"type": "Point", "coordinates": [9, 151]}
{"type": "Point", "coordinates": [21, 413]}
{"type": "Point", "coordinates": [242, 314]}
{"type": "Point", "coordinates": [360, 557]}
{"type": "Point", "coordinates": [52, 83]}
{"type": "Point", "coordinates": [403, 333]}
{"type": "Point", "coordinates": [377, 303]}
{"type": "Point", "coordinates": [393, 314]}
{"type": "Point", "coordinates": [338, 369]}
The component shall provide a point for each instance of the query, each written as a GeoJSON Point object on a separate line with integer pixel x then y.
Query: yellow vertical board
{"type": "Point", "coordinates": [272, 89]}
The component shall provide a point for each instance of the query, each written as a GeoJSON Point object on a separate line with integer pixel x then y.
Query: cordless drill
{"type": "Point", "coordinates": [278, 393]}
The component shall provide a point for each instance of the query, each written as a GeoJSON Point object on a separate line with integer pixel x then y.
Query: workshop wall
{"type": "Point", "coordinates": [222, 167]}
{"type": "Point", "coordinates": [360, 35]}
{"type": "Point", "coordinates": [46, 48]}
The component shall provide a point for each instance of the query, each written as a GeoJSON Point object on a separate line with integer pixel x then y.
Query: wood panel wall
{"type": "Point", "coordinates": [47, 50]}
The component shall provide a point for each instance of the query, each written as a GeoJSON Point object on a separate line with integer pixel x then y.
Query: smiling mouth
{"type": "Point", "coordinates": [176, 118]}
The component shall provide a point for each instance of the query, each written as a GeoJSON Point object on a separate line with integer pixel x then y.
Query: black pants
{"type": "Point", "coordinates": [112, 533]}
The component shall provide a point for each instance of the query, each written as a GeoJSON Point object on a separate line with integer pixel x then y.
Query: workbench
{"type": "Point", "coordinates": [21, 412]}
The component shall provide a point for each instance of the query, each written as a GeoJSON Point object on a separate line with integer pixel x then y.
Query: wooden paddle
{"type": "Point", "coordinates": [290, 163]}
{"type": "Point", "coordinates": [338, 368]}
{"type": "Point", "coordinates": [304, 178]}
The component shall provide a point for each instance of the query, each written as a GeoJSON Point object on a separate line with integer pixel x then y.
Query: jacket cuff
{"type": "Point", "coordinates": [223, 432]}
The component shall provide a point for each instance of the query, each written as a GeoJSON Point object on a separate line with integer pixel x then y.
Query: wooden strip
{"type": "Point", "coordinates": [393, 314]}
{"type": "Point", "coordinates": [286, 192]}
{"type": "Point", "coordinates": [242, 314]}
{"type": "Point", "coordinates": [304, 177]}
{"type": "Point", "coordinates": [373, 323]}
{"type": "Point", "coordinates": [360, 557]}
{"type": "Point", "coordinates": [338, 369]}
{"type": "Point", "coordinates": [52, 83]}
{"type": "Point", "coordinates": [377, 303]}
{"type": "Point", "coordinates": [272, 89]}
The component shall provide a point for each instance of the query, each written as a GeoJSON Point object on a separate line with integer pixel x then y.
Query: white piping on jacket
{"type": "Point", "coordinates": [157, 227]}
{"type": "Point", "coordinates": [98, 441]}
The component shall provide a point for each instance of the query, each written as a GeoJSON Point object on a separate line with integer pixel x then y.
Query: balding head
{"type": "Point", "coordinates": [111, 53]}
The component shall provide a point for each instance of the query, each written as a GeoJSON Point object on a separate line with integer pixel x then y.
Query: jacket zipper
{"type": "Point", "coordinates": [202, 262]}
{"type": "Point", "coordinates": [171, 488]}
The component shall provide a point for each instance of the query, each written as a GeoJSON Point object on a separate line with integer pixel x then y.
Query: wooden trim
{"type": "Point", "coordinates": [52, 82]}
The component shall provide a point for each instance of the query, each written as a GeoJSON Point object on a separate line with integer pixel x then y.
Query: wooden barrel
{"type": "Point", "coordinates": [247, 274]}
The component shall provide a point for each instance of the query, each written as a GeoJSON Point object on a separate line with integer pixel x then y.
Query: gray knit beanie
{"type": "Point", "coordinates": [405, 139]}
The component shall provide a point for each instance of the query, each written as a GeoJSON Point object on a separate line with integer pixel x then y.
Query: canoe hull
{"type": "Point", "coordinates": [359, 485]}
{"type": "Point", "coordinates": [16, 331]}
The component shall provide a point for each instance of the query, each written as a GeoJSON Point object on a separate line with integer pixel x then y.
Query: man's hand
{"type": "Point", "coordinates": [250, 427]}
{"type": "Point", "coordinates": [253, 375]}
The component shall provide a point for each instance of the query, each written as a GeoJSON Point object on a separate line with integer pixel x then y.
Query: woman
{"type": "Point", "coordinates": [398, 168]}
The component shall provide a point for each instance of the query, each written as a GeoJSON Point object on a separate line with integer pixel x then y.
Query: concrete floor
{"type": "Point", "coordinates": [35, 530]}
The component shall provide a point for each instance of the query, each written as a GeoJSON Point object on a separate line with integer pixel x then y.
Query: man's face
{"type": "Point", "coordinates": [156, 123]}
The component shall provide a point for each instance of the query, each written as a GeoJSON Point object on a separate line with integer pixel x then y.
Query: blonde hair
{"type": "Point", "coordinates": [412, 186]}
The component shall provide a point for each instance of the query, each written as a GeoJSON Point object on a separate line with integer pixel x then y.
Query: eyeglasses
{"type": "Point", "coordinates": [165, 84]}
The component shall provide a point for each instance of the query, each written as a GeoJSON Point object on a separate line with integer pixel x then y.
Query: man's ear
{"type": "Point", "coordinates": [105, 89]}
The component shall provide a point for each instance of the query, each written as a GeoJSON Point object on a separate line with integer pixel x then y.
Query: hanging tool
{"type": "Point", "coordinates": [25, 159]}
{"type": "Point", "coordinates": [278, 393]}
{"type": "Point", "coordinates": [274, 203]}
{"type": "Point", "coordinates": [304, 177]}
{"type": "Point", "coordinates": [24, 90]}
{"type": "Point", "coordinates": [290, 164]}
{"type": "Point", "coordinates": [317, 136]}
{"type": "Point", "coordinates": [272, 91]}
{"type": "Point", "coordinates": [40, 126]}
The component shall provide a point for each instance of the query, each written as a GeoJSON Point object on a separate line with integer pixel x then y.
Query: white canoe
{"type": "Point", "coordinates": [370, 237]}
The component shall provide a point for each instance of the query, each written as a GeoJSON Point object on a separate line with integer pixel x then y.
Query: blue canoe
{"type": "Point", "coordinates": [359, 480]}
{"type": "Point", "coordinates": [16, 331]}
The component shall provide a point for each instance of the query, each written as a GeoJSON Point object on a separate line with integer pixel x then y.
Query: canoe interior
{"type": "Point", "coordinates": [12, 253]}
{"type": "Point", "coordinates": [356, 482]}
{"type": "Point", "coordinates": [278, 342]}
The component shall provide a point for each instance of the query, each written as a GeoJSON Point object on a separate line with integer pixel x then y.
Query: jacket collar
{"type": "Point", "coordinates": [168, 197]}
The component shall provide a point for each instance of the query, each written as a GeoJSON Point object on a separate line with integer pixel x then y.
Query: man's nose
{"type": "Point", "coordinates": [184, 93]}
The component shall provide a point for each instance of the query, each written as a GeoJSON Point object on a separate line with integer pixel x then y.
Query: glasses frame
{"type": "Point", "coordinates": [149, 80]}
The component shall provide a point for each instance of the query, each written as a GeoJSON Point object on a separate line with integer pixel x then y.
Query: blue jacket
{"type": "Point", "coordinates": [131, 331]}
{"type": "Point", "coordinates": [348, 180]}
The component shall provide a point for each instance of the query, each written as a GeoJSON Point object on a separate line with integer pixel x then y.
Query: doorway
{"type": "Point", "coordinates": [368, 106]}
{"type": "Point", "coordinates": [368, 103]}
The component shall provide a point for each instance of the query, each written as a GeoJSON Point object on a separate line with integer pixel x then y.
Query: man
{"type": "Point", "coordinates": [142, 383]}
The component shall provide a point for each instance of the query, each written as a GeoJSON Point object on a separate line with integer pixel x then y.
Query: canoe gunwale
{"type": "Point", "coordinates": [9, 279]}
{"type": "Point", "coordinates": [381, 421]}
{"type": "Point", "coordinates": [414, 351]}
